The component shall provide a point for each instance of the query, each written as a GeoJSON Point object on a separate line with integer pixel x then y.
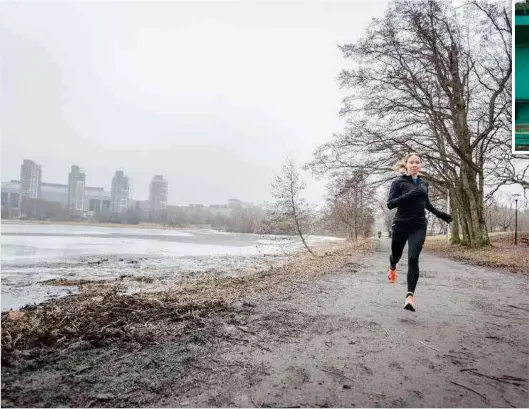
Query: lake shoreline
{"type": "Point", "coordinates": [54, 325]}
{"type": "Point", "coordinates": [153, 226]}
{"type": "Point", "coordinates": [34, 255]}
{"type": "Point", "coordinates": [97, 224]}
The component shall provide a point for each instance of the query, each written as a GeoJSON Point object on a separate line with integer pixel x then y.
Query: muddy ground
{"type": "Point", "coordinates": [339, 340]}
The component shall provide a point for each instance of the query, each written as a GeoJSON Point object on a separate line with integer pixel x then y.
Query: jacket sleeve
{"type": "Point", "coordinates": [395, 198]}
{"type": "Point", "coordinates": [432, 209]}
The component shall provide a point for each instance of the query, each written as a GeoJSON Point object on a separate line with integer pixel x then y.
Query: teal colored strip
{"type": "Point", "coordinates": [521, 20]}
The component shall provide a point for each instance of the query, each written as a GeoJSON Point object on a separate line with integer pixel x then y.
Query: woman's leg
{"type": "Point", "coordinates": [415, 242]}
{"type": "Point", "coordinates": [399, 236]}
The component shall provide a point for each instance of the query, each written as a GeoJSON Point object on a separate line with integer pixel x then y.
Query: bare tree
{"type": "Point", "coordinates": [350, 202]}
{"type": "Point", "coordinates": [491, 210]}
{"type": "Point", "coordinates": [504, 217]}
{"type": "Point", "coordinates": [508, 170]}
{"type": "Point", "coordinates": [290, 207]}
{"type": "Point", "coordinates": [435, 79]}
{"type": "Point", "coordinates": [388, 218]}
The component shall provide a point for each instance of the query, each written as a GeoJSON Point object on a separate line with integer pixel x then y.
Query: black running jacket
{"type": "Point", "coordinates": [411, 200]}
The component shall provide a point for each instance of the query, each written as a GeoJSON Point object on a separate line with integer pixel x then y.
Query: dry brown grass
{"type": "Point", "coordinates": [101, 314]}
{"type": "Point", "coordinates": [59, 282]}
{"type": "Point", "coordinates": [502, 253]}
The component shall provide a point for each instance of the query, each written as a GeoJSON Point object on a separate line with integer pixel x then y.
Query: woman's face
{"type": "Point", "coordinates": [413, 165]}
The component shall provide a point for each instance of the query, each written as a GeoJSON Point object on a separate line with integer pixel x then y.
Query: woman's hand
{"type": "Point", "coordinates": [445, 217]}
{"type": "Point", "coordinates": [419, 191]}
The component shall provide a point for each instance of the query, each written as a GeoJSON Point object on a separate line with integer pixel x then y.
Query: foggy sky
{"type": "Point", "coordinates": [212, 95]}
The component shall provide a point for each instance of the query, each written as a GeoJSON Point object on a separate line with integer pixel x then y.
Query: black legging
{"type": "Point", "coordinates": [415, 236]}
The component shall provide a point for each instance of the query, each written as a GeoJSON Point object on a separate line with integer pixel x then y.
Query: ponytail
{"type": "Point", "coordinates": [400, 166]}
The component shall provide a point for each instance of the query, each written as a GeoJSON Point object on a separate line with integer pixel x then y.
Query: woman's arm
{"type": "Point", "coordinates": [441, 215]}
{"type": "Point", "coordinates": [432, 209]}
{"type": "Point", "coordinates": [395, 198]}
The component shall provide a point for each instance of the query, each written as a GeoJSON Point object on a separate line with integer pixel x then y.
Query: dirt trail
{"type": "Point", "coordinates": [343, 340]}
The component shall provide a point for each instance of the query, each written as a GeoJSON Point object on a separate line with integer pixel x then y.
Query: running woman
{"type": "Point", "coordinates": [409, 194]}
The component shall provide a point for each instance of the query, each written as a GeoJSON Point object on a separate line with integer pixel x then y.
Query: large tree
{"type": "Point", "coordinates": [432, 78]}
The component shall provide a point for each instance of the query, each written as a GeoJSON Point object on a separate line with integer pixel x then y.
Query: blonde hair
{"type": "Point", "coordinates": [400, 166]}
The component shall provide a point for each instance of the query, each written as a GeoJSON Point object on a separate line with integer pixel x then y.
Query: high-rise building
{"type": "Point", "coordinates": [158, 193]}
{"type": "Point", "coordinates": [119, 193]}
{"type": "Point", "coordinates": [76, 189]}
{"type": "Point", "coordinates": [95, 198]}
{"type": "Point", "coordinates": [30, 178]}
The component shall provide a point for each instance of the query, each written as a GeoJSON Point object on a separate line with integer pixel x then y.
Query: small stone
{"type": "Point", "coordinates": [347, 386]}
{"type": "Point", "coordinates": [230, 329]}
{"type": "Point", "coordinates": [104, 396]}
{"type": "Point", "coordinates": [82, 368]}
{"type": "Point", "coordinates": [15, 315]}
{"type": "Point", "coordinates": [80, 346]}
{"type": "Point", "coordinates": [237, 305]}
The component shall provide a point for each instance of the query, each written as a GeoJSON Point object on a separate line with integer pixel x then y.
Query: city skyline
{"type": "Point", "coordinates": [30, 184]}
{"type": "Point", "coordinates": [78, 195]}
{"type": "Point", "coordinates": [108, 187]}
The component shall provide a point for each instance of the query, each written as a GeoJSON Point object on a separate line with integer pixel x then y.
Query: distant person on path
{"type": "Point", "coordinates": [379, 234]}
{"type": "Point", "coordinates": [409, 194]}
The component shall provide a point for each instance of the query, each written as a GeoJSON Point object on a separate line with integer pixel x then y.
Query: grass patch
{"type": "Point", "coordinates": [502, 253]}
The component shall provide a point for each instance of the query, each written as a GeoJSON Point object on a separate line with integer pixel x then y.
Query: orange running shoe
{"type": "Point", "coordinates": [392, 275]}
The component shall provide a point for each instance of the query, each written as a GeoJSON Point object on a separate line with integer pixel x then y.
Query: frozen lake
{"type": "Point", "coordinates": [34, 253]}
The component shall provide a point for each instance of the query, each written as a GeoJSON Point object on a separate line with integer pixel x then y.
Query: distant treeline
{"type": "Point", "coordinates": [256, 219]}
{"type": "Point", "coordinates": [338, 218]}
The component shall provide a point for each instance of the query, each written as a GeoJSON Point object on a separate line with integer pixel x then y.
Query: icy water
{"type": "Point", "coordinates": [35, 253]}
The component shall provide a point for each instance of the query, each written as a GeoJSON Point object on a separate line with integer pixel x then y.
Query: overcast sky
{"type": "Point", "coordinates": [213, 95]}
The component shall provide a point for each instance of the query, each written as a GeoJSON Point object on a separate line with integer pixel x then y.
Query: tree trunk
{"type": "Point", "coordinates": [471, 206]}
{"type": "Point", "coordinates": [296, 221]}
{"type": "Point", "coordinates": [475, 230]}
{"type": "Point", "coordinates": [455, 237]}
{"type": "Point", "coordinates": [356, 215]}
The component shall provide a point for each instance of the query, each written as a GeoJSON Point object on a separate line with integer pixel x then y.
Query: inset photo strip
{"type": "Point", "coordinates": [521, 77]}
